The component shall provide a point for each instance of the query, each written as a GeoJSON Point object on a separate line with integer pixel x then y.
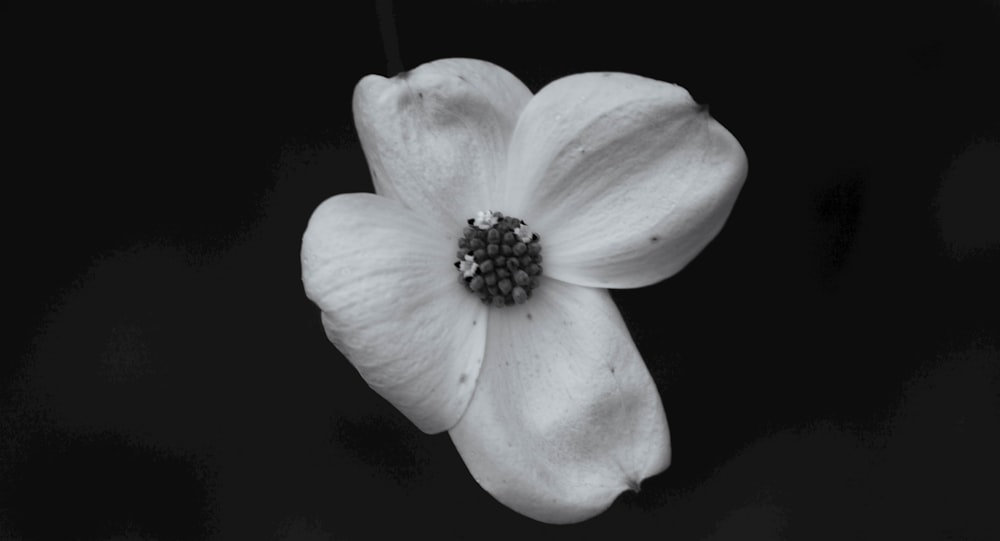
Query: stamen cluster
{"type": "Point", "coordinates": [499, 259]}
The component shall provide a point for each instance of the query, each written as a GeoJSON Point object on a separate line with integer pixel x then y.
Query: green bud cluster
{"type": "Point", "coordinates": [506, 267]}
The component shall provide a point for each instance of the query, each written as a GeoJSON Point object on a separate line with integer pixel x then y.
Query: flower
{"type": "Point", "coordinates": [535, 377]}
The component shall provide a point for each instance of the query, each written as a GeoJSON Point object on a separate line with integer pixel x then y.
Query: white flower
{"type": "Point", "coordinates": [547, 400]}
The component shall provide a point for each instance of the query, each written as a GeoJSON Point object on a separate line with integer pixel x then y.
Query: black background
{"type": "Point", "coordinates": [829, 364]}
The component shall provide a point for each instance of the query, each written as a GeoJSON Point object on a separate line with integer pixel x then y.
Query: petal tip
{"type": "Point", "coordinates": [634, 484]}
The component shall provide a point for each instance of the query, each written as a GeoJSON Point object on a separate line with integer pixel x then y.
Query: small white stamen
{"type": "Point", "coordinates": [485, 220]}
{"type": "Point", "coordinates": [523, 232]}
{"type": "Point", "coordinates": [468, 267]}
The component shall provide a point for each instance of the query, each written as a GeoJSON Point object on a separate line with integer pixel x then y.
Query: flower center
{"type": "Point", "coordinates": [499, 259]}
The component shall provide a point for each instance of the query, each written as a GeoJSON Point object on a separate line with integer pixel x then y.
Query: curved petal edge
{"type": "Point", "coordinates": [565, 416]}
{"type": "Point", "coordinates": [626, 178]}
{"type": "Point", "coordinates": [436, 136]}
{"type": "Point", "coordinates": [384, 280]}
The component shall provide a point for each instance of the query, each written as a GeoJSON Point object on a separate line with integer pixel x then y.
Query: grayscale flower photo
{"type": "Point", "coordinates": [496, 269]}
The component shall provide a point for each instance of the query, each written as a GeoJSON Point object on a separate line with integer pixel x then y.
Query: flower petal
{"type": "Point", "coordinates": [626, 178]}
{"type": "Point", "coordinates": [565, 415]}
{"type": "Point", "coordinates": [436, 137]}
{"type": "Point", "coordinates": [385, 282]}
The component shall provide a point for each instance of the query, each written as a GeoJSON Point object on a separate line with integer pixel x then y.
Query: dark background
{"type": "Point", "coordinates": [829, 364]}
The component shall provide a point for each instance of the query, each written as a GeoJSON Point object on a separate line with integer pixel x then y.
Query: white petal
{"type": "Point", "coordinates": [565, 416]}
{"type": "Point", "coordinates": [436, 137]}
{"type": "Point", "coordinates": [385, 281]}
{"type": "Point", "coordinates": [625, 178]}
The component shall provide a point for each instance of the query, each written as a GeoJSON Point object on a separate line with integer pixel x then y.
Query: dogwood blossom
{"type": "Point", "coordinates": [525, 361]}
